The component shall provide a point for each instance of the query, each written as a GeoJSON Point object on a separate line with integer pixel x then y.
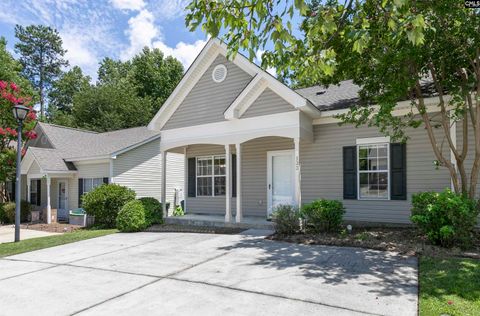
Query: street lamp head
{"type": "Point", "coordinates": [20, 112]}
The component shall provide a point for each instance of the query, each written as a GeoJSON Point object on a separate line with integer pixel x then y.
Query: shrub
{"type": "Point", "coordinates": [178, 211]}
{"type": "Point", "coordinates": [104, 202]}
{"type": "Point", "coordinates": [153, 210]}
{"type": "Point", "coordinates": [3, 218]}
{"type": "Point", "coordinates": [131, 217]}
{"type": "Point", "coordinates": [287, 219]}
{"type": "Point", "coordinates": [9, 212]}
{"type": "Point", "coordinates": [446, 218]}
{"type": "Point", "coordinates": [323, 215]}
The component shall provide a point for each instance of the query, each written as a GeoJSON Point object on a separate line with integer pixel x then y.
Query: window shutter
{"type": "Point", "coordinates": [398, 171]}
{"type": "Point", "coordinates": [80, 192]}
{"type": "Point", "coordinates": [105, 180]}
{"type": "Point", "coordinates": [14, 187]}
{"type": "Point", "coordinates": [192, 178]}
{"type": "Point", "coordinates": [234, 175]}
{"type": "Point", "coordinates": [39, 192]}
{"type": "Point", "coordinates": [350, 172]}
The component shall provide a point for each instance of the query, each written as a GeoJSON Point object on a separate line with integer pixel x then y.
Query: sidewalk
{"type": "Point", "coordinates": [7, 233]}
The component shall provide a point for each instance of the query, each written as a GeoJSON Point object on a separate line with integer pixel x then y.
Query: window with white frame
{"type": "Point", "coordinates": [34, 192]}
{"type": "Point", "coordinates": [373, 171]}
{"type": "Point", "coordinates": [211, 176]}
{"type": "Point", "coordinates": [91, 183]}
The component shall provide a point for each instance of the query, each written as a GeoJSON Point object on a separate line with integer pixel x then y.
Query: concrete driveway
{"type": "Point", "coordinates": [202, 274]}
{"type": "Point", "coordinates": [7, 233]}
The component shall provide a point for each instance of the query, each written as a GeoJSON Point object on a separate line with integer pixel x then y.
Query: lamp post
{"type": "Point", "coordinates": [20, 112]}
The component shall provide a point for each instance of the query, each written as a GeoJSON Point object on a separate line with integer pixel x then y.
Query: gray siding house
{"type": "Point", "coordinates": [63, 163]}
{"type": "Point", "coordinates": [250, 143]}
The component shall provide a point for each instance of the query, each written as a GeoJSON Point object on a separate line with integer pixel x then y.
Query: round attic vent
{"type": "Point", "coordinates": [219, 73]}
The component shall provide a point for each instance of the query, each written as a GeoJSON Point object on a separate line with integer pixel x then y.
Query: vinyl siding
{"type": "Point", "coordinates": [140, 170]}
{"type": "Point", "coordinates": [97, 170]}
{"type": "Point", "coordinates": [268, 103]}
{"type": "Point", "coordinates": [34, 168]}
{"type": "Point", "coordinates": [322, 173]}
{"type": "Point", "coordinates": [208, 100]}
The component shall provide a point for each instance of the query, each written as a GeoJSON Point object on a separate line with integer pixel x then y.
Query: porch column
{"type": "Point", "coordinates": [228, 185]}
{"type": "Point", "coordinates": [28, 190]}
{"type": "Point", "coordinates": [49, 206]}
{"type": "Point", "coordinates": [298, 192]}
{"type": "Point", "coordinates": [239, 214]}
{"type": "Point", "coordinates": [164, 183]}
{"type": "Point", "coordinates": [185, 179]}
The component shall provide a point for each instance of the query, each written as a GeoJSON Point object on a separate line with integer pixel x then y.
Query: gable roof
{"type": "Point", "coordinates": [334, 97]}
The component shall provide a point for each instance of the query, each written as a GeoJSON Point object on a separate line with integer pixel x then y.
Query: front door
{"type": "Point", "coordinates": [62, 209]}
{"type": "Point", "coordinates": [280, 179]}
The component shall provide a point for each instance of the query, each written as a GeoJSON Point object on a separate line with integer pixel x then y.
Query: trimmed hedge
{"type": "Point", "coordinates": [105, 202]}
{"type": "Point", "coordinates": [447, 219]}
{"type": "Point", "coordinates": [131, 217]}
{"type": "Point", "coordinates": [323, 215]}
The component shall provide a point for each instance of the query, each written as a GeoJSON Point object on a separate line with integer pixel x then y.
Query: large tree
{"type": "Point", "coordinates": [391, 48]}
{"type": "Point", "coordinates": [61, 96]}
{"type": "Point", "coordinates": [41, 55]}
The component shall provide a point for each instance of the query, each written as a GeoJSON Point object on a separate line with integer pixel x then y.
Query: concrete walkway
{"type": "Point", "coordinates": [202, 274]}
{"type": "Point", "coordinates": [7, 233]}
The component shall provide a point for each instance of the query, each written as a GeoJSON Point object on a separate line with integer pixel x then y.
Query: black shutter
{"type": "Point", "coordinates": [234, 175]}
{"type": "Point", "coordinates": [350, 172]}
{"type": "Point", "coordinates": [14, 187]}
{"type": "Point", "coordinates": [39, 192]}
{"type": "Point", "coordinates": [192, 178]}
{"type": "Point", "coordinates": [398, 171]}
{"type": "Point", "coordinates": [80, 192]}
{"type": "Point", "coordinates": [105, 180]}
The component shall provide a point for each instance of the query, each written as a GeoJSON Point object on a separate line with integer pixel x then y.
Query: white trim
{"type": "Point", "coordinates": [112, 179]}
{"type": "Point", "coordinates": [297, 172]}
{"type": "Point", "coordinates": [373, 140]}
{"type": "Point", "coordinates": [246, 98]}
{"type": "Point", "coordinates": [89, 160]}
{"type": "Point", "coordinates": [124, 150]}
{"type": "Point", "coordinates": [212, 176]}
{"type": "Point", "coordinates": [164, 184]}
{"type": "Point", "coordinates": [239, 210]}
{"type": "Point", "coordinates": [270, 155]}
{"type": "Point", "coordinates": [228, 183]}
{"type": "Point", "coordinates": [373, 171]}
{"type": "Point", "coordinates": [66, 193]}
{"type": "Point", "coordinates": [49, 206]}
{"type": "Point", "coordinates": [185, 178]}
{"type": "Point", "coordinates": [225, 73]}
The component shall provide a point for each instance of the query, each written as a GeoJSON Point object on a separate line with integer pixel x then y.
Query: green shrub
{"type": "Point", "coordinates": [287, 219]}
{"type": "Point", "coordinates": [446, 218]}
{"type": "Point", "coordinates": [131, 217]}
{"type": "Point", "coordinates": [3, 218]}
{"type": "Point", "coordinates": [323, 215]}
{"type": "Point", "coordinates": [104, 202]}
{"type": "Point", "coordinates": [153, 210]}
{"type": "Point", "coordinates": [9, 212]}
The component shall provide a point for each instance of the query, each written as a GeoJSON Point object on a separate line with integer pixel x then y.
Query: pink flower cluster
{"type": "Point", "coordinates": [10, 92]}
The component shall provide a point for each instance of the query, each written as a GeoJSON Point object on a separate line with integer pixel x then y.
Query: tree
{"type": "Point", "coordinates": [61, 96]}
{"type": "Point", "coordinates": [41, 55]}
{"type": "Point", "coordinates": [155, 76]}
{"type": "Point", "coordinates": [110, 107]}
{"type": "Point", "coordinates": [13, 89]}
{"type": "Point", "coordinates": [113, 71]}
{"type": "Point", "coordinates": [389, 48]}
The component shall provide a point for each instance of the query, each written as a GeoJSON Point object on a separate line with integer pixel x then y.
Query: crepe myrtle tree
{"type": "Point", "coordinates": [390, 48]}
{"type": "Point", "coordinates": [10, 95]}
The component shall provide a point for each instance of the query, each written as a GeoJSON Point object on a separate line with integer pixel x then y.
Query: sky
{"type": "Point", "coordinates": [94, 29]}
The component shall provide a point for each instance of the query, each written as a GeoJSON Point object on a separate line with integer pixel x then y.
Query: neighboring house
{"type": "Point", "coordinates": [63, 163]}
{"type": "Point", "coordinates": [251, 143]}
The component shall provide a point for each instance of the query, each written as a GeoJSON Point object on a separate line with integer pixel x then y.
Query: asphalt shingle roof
{"type": "Point", "coordinates": [335, 97]}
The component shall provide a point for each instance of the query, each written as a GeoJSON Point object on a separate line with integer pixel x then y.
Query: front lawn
{"type": "Point", "coordinates": [9, 249]}
{"type": "Point", "coordinates": [449, 286]}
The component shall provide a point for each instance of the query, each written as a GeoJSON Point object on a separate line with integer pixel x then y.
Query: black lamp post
{"type": "Point", "coordinates": [20, 112]}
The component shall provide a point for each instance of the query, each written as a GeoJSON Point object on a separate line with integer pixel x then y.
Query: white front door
{"type": "Point", "coordinates": [62, 209]}
{"type": "Point", "coordinates": [280, 181]}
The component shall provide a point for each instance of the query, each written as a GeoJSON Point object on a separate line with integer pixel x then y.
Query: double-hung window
{"type": "Point", "coordinates": [373, 171]}
{"type": "Point", "coordinates": [34, 192]}
{"type": "Point", "coordinates": [91, 183]}
{"type": "Point", "coordinates": [211, 176]}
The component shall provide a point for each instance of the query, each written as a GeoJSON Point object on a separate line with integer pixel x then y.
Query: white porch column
{"type": "Point", "coordinates": [239, 214]}
{"type": "Point", "coordinates": [298, 192]}
{"type": "Point", "coordinates": [185, 179]}
{"type": "Point", "coordinates": [228, 184]}
{"type": "Point", "coordinates": [164, 183]}
{"type": "Point", "coordinates": [49, 206]}
{"type": "Point", "coordinates": [28, 190]}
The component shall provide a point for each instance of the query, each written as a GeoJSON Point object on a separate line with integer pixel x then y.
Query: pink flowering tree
{"type": "Point", "coordinates": [11, 94]}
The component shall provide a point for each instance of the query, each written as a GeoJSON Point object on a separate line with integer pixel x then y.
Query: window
{"type": "Point", "coordinates": [211, 176]}
{"type": "Point", "coordinates": [34, 198]}
{"type": "Point", "coordinates": [91, 183]}
{"type": "Point", "coordinates": [373, 171]}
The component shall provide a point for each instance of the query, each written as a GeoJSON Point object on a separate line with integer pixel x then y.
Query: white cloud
{"type": "Point", "coordinates": [141, 32]}
{"type": "Point", "coordinates": [184, 52]}
{"type": "Point", "coordinates": [80, 53]}
{"type": "Point", "coordinates": [170, 9]}
{"type": "Point", "coordinates": [134, 5]}
{"type": "Point", "coordinates": [258, 61]}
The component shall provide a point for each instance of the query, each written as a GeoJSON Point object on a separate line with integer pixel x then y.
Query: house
{"type": "Point", "coordinates": [251, 143]}
{"type": "Point", "coordinates": [63, 163]}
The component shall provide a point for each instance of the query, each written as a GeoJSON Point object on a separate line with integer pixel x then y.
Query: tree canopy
{"type": "Point", "coordinates": [393, 49]}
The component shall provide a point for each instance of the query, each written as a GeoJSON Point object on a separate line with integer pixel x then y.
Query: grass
{"type": "Point", "coordinates": [9, 249]}
{"type": "Point", "coordinates": [449, 286]}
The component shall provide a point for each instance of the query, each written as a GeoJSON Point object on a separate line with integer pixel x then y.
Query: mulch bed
{"type": "Point", "coordinates": [171, 228]}
{"type": "Point", "coordinates": [407, 241]}
{"type": "Point", "coordinates": [52, 228]}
